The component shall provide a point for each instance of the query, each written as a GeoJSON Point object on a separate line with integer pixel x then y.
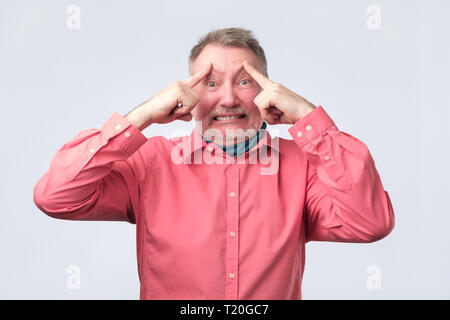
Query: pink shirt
{"type": "Point", "coordinates": [208, 228]}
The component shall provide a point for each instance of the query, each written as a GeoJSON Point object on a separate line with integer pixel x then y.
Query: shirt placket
{"type": "Point", "coordinates": [232, 236]}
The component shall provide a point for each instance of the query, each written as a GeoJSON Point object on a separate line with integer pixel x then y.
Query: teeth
{"type": "Point", "coordinates": [228, 117]}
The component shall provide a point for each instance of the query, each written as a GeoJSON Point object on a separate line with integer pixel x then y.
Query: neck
{"type": "Point", "coordinates": [236, 148]}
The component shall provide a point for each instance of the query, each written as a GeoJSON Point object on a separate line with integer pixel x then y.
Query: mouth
{"type": "Point", "coordinates": [229, 117]}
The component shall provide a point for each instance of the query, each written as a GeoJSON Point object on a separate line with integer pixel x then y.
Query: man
{"type": "Point", "coordinates": [225, 212]}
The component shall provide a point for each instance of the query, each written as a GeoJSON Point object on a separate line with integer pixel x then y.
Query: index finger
{"type": "Point", "coordinates": [261, 79]}
{"type": "Point", "coordinates": [193, 80]}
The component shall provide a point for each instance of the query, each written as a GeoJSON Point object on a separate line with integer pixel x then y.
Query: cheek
{"type": "Point", "coordinates": [248, 97]}
{"type": "Point", "coordinates": [205, 105]}
{"type": "Point", "coordinates": [209, 100]}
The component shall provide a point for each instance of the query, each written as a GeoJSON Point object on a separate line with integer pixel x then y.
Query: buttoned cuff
{"type": "Point", "coordinates": [315, 135]}
{"type": "Point", "coordinates": [311, 127]}
{"type": "Point", "coordinates": [131, 137]}
{"type": "Point", "coordinates": [120, 137]}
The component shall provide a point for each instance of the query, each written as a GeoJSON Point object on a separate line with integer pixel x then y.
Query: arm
{"type": "Point", "coordinates": [91, 177]}
{"type": "Point", "coordinates": [345, 199]}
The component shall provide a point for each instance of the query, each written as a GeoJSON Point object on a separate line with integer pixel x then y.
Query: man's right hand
{"type": "Point", "coordinates": [163, 107]}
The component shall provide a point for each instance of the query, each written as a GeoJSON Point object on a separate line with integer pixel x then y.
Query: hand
{"type": "Point", "coordinates": [163, 107]}
{"type": "Point", "coordinates": [277, 104]}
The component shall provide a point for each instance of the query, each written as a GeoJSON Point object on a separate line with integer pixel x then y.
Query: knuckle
{"type": "Point", "coordinates": [277, 87]}
{"type": "Point", "coordinates": [193, 94]}
{"type": "Point", "coordinates": [174, 83]}
{"type": "Point", "coordinates": [177, 84]}
{"type": "Point", "coordinates": [178, 90]}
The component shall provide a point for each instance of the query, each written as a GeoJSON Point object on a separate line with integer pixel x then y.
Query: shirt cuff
{"type": "Point", "coordinates": [316, 134]}
{"type": "Point", "coordinates": [131, 137]}
{"type": "Point", "coordinates": [311, 127]}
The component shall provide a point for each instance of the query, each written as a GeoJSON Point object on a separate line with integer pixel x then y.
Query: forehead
{"type": "Point", "coordinates": [224, 59]}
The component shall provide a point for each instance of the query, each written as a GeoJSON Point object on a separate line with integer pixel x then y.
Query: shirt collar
{"type": "Point", "coordinates": [244, 146]}
{"type": "Point", "coordinates": [195, 142]}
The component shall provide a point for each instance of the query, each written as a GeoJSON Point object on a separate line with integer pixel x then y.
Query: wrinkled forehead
{"type": "Point", "coordinates": [225, 60]}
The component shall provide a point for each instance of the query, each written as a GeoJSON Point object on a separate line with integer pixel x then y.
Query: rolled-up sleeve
{"type": "Point", "coordinates": [345, 200]}
{"type": "Point", "coordinates": [91, 178]}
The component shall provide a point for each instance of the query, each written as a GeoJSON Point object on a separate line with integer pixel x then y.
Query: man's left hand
{"type": "Point", "coordinates": [278, 104]}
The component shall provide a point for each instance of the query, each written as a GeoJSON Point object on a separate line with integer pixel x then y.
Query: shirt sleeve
{"type": "Point", "coordinates": [345, 200]}
{"type": "Point", "coordinates": [91, 177]}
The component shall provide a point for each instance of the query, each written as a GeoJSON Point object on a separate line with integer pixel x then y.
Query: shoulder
{"type": "Point", "coordinates": [161, 147]}
{"type": "Point", "coordinates": [287, 146]}
{"type": "Point", "coordinates": [289, 150]}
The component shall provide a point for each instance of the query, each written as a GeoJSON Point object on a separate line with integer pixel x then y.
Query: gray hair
{"type": "Point", "coordinates": [230, 37]}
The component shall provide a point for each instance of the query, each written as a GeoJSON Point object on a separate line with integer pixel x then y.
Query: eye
{"type": "Point", "coordinates": [245, 82]}
{"type": "Point", "coordinates": [210, 84]}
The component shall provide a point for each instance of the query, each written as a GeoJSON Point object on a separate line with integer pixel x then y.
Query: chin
{"type": "Point", "coordinates": [238, 129]}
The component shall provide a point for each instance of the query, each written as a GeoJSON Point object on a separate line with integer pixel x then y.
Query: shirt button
{"type": "Point", "coordinates": [127, 134]}
{"type": "Point", "coordinates": [231, 275]}
{"type": "Point", "coordinates": [118, 126]}
{"type": "Point", "coordinates": [327, 158]}
{"type": "Point", "coordinates": [232, 194]}
{"type": "Point", "coordinates": [299, 134]}
{"type": "Point", "coordinates": [232, 234]}
{"type": "Point", "coordinates": [308, 127]}
{"type": "Point", "coordinates": [92, 151]}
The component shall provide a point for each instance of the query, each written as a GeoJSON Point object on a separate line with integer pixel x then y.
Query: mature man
{"type": "Point", "coordinates": [225, 212]}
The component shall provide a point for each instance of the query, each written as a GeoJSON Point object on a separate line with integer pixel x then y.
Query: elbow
{"type": "Point", "coordinates": [39, 197]}
{"type": "Point", "coordinates": [382, 229]}
{"type": "Point", "coordinates": [59, 204]}
{"type": "Point", "coordinates": [43, 199]}
{"type": "Point", "coordinates": [385, 221]}
{"type": "Point", "coordinates": [386, 224]}
{"type": "Point", "coordinates": [381, 232]}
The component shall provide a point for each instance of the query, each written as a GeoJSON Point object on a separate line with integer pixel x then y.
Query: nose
{"type": "Point", "coordinates": [228, 96]}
